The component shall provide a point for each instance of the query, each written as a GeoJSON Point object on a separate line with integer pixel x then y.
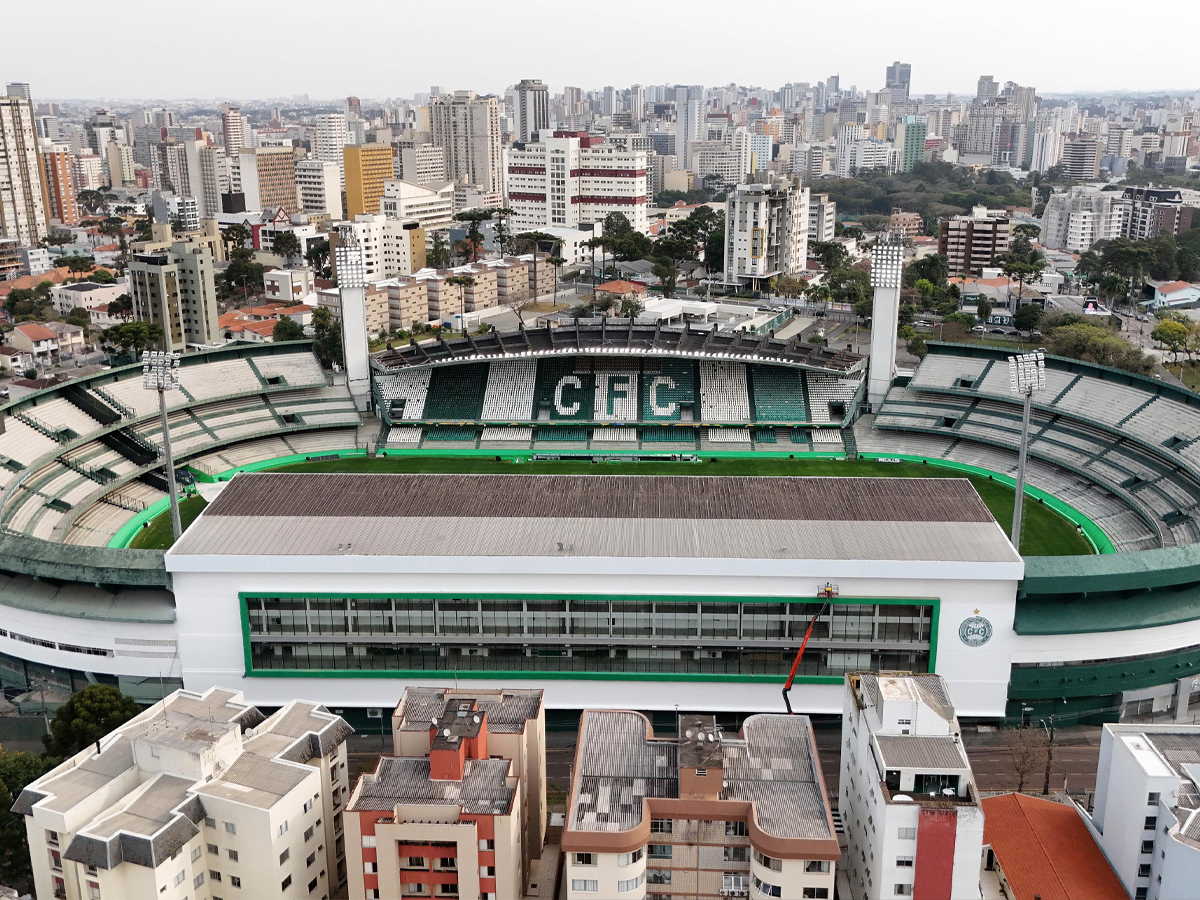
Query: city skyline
{"type": "Point", "coordinates": [827, 48]}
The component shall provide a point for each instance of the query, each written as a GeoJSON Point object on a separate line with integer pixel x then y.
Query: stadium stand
{"type": "Point", "coordinates": [668, 391]}
{"type": "Point", "coordinates": [509, 393]}
{"type": "Point", "coordinates": [764, 436]}
{"type": "Point", "coordinates": [451, 433]}
{"type": "Point", "coordinates": [563, 390]}
{"type": "Point", "coordinates": [723, 393]}
{"type": "Point", "coordinates": [778, 394]}
{"type": "Point", "coordinates": [728, 435]}
{"type": "Point", "coordinates": [658, 434]}
{"type": "Point", "coordinates": [402, 396]}
{"type": "Point", "coordinates": [561, 433]}
{"type": "Point", "coordinates": [827, 394]}
{"type": "Point", "coordinates": [456, 393]}
{"type": "Point", "coordinates": [522, 434]}
{"type": "Point", "coordinates": [404, 434]}
{"type": "Point", "coordinates": [613, 434]}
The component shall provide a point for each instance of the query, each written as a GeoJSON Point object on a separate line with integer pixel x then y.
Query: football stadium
{"type": "Point", "coordinates": [608, 510]}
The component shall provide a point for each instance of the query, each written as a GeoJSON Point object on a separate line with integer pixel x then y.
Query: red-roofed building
{"type": "Point", "coordinates": [37, 340]}
{"type": "Point", "coordinates": [28, 282]}
{"type": "Point", "coordinates": [1042, 849]}
{"type": "Point", "coordinates": [1174, 293]}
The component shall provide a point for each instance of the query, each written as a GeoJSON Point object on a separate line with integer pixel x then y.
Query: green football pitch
{"type": "Point", "coordinates": [1044, 533]}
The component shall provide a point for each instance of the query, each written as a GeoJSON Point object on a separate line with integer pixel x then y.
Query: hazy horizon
{"type": "Point", "coordinates": [268, 53]}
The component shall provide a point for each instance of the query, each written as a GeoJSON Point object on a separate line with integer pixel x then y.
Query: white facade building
{"type": "Point", "coordinates": [318, 182]}
{"type": "Point", "coordinates": [386, 244]}
{"type": "Point", "coordinates": [423, 164]}
{"type": "Point", "coordinates": [575, 179]}
{"type": "Point", "coordinates": [1076, 219]}
{"type": "Point", "coordinates": [467, 128]}
{"type": "Point", "coordinates": [198, 795]}
{"type": "Point", "coordinates": [822, 216]}
{"type": "Point", "coordinates": [908, 801]}
{"type": "Point", "coordinates": [24, 206]}
{"type": "Point", "coordinates": [329, 142]}
{"type": "Point", "coordinates": [431, 205]}
{"type": "Point", "coordinates": [766, 231]}
{"type": "Point", "coordinates": [1146, 812]}
{"type": "Point", "coordinates": [532, 109]}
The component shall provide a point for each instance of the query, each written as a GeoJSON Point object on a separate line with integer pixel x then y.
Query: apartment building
{"type": "Point", "coordinates": [266, 176]}
{"type": "Point", "coordinates": [430, 205]}
{"type": "Point", "coordinates": [907, 794]}
{"type": "Point", "coordinates": [467, 128]}
{"type": "Point", "coordinates": [766, 231]}
{"type": "Point", "coordinates": [24, 206]}
{"type": "Point", "coordinates": [423, 164]}
{"type": "Point", "coordinates": [573, 179]}
{"type": "Point", "coordinates": [368, 168]}
{"type": "Point", "coordinates": [408, 303]}
{"type": "Point", "coordinates": [60, 183]}
{"type": "Point", "coordinates": [1146, 809]}
{"type": "Point", "coordinates": [390, 246]}
{"type": "Point", "coordinates": [319, 186]}
{"type": "Point", "coordinates": [1147, 212]}
{"type": "Point", "coordinates": [233, 129]}
{"type": "Point", "coordinates": [175, 288]}
{"type": "Point", "coordinates": [376, 309]}
{"type": "Point", "coordinates": [725, 162]}
{"type": "Point", "coordinates": [460, 808]}
{"type": "Point", "coordinates": [1081, 157]}
{"type": "Point", "coordinates": [119, 159]}
{"type": "Point", "coordinates": [974, 241]}
{"type": "Point", "coordinates": [906, 224]}
{"type": "Point", "coordinates": [1076, 219]}
{"type": "Point", "coordinates": [329, 141]}
{"type": "Point", "coordinates": [533, 109]}
{"type": "Point", "coordinates": [198, 796]}
{"type": "Point", "coordinates": [703, 815]}
{"type": "Point", "coordinates": [822, 216]}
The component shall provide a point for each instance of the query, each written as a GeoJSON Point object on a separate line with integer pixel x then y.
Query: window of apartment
{"type": "Point", "coordinates": [816, 865]}
{"type": "Point", "coordinates": [93, 890]}
{"type": "Point", "coordinates": [285, 855]}
{"type": "Point", "coordinates": [1151, 823]}
{"type": "Point", "coordinates": [1147, 846]}
{"type": "Point", "coordinates": [585, 859]}
{"type": "Point", "coordinates": [308, 833]}
{"type": "Point", "coordinates": [55, 860]}
{"type": "Point", "coordinates": [198, 880]}
{"type": "Point", "coordinates": [587, 885]}
{"type": "Point", "coordinates": [761, 858]}
{"type": "Point", "coordinates": [286, 883]}
{"type": "Point", "coordinates": [235, 881]}
{"type": "Point", "coordinates": [658, 851]}
{"type": "Point", "coordinates": [631, 884]}
{"type": "Point", "coordinates": [905, 861]}
{"type": "Point", "coordinates": [1144, 870]}
{"type": "Point", "coordinates": [1152, 798]}
{"type": "Point", "coordinates": [308, 804]}
{"type": "Point", "coordinates": [282, 829]}
{"type": "Point", "coordinates": [906, 834]}
{"type": "Point", "coordinates": [179, 878]}
{"type": "Point", "coordinates": [370, 868]}
{"type": "Point", "coordinates": [416, 862]}
{"type": "Point", "coordinates": [658, 876]}
{"type": "Point", "coordinates": [214, 875]}
{"type": "Point", "coordinates": [1141, 894]}
{"type": "Point", "coordinates": [766, 889]}
{"type": "Point", "coordinates": [817, 893]}
{"type": "Point", "coordinates": [735, 881]}
{"type": "Point", "coordinates": [233, 856]}
{"type": "Point", "coordinates": [214, 849]}
{"type": "Point", "coordinates": [312, 885]}
{"type": "Point", "coordinates": [448, 862]}
{"type": "Point", "coordinates": [312, 858]}
{"type": "Point", "coordinates": [196, 853]}
{"type": "Point", "coordinates": [628, 859]}
{"type": "Point", "coordinates": [91, 870]}
{"type": "Point", "coordinates": [660, 826]}
{"type": "Point", "coordinates": [230, 828]}
{"type": "Point", "coordinates": [902, 890]}
{"type": "Point", "coordinates": [736, 829]}
{"type": "Point", "coordinates": [51, 838]}
{"type": "Point", "coordinates": [487, 844]}
{"type": "Point", "coordinates": [368, 840]}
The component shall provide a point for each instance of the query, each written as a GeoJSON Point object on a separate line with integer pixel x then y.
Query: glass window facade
{"type": "Point", "coordinates": [701, 636]}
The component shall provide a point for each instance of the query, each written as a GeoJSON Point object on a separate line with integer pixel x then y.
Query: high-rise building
{"type": "Point", "coordinates": [575, 178]}
{"type": "Point", "coordinates": [1081, 157]}
{"type": "Point", "coordinates": [233, 130]}
{"type": "Point", "coordinates": [197, 795]}
{"type": "Point", "coordinates": [467, 128]}
{"type": "Point", "coordinates": [908, 797]}
{"type": "Point", "coordinates": [899, 77]}
{"type": "Point", "coordinates": [19, 89]}
{"type": "Point", "coordinates": [910, 141]}
{"type": "Point", "coordinates": [24, 206]}
{"type": "Point", "coordinates": [690, 121]}
{"type": "Point", "coordinates": [1045, 149]}
{"type": "Point", "coordinates": [119, 159]}
{"type": "Point", "coordinates": [329, 142]}
{"type": "Point", "coordinates": [175, 289]}
{"type": "Point", "coordinates": [266, 176]}
{"type": "Point", "coordinates": [724, 162]}
{"type": "Point", "coordinates": [368, 168]}
{"type": "Point", "coordinates": [637, 103]}
{"type": "Point", "coordinates": [389, 247]}
{"type": "Point", "coordinates": [474, 763]}
{"type": "Point", "coordinates": [533, 109]}
{"type": "Point", "coordinates": [1177, 132]}
{"type": "Point", "coordinates": [318, 183]}
{"type": "Point", "coordinates": [91, 171]}
{"type": "Point", "coordinates": [1074, 220]}
{"type": "Point", "coordinates": [974, 241]}
{"type": "Point", "coordinates": [430, 205]}
{"type": "Point", "coordinates": [1147, 212]}
{"type": "Point", "coordinates": [723, 821]}
{"type": "Point", "coordinates": [60, 183]}
{"type": "Point", "coordinates": [100, 130]}
{"type": "Point", "coordinates": [822, 216]}
{"type": "Point", "coordinates": [766, 231]}
{"type": "Point", "coordinates": [420, 163]}
{"type": "Point", "coordinates": [987, 88]}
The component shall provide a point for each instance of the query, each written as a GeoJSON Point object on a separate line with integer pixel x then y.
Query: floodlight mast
{"type": "Point", "coordinates": [160, 372]}
{"type": "Point", "coordinates": [1026, 374]}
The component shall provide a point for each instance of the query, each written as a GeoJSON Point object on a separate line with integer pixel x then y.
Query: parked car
{"type": "Point", "coordinates": [978, 329]}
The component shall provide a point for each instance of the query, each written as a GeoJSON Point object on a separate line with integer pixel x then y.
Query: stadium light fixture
{"type": "Point", "coordinates": [160, 372]}
{"type": "Point", "coordinates": [1026, 374]}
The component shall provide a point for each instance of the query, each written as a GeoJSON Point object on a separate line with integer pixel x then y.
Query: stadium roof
{"type": "Point", "coordinates": [729, 517]}
{"type": "Point", "coordinates": [621, 336]}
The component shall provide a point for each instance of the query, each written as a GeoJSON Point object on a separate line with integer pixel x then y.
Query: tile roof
{"type": "Point", "coordinates": [36, 332]}
{"type": "Point", "coordinates": [1046, 850]}
{"type": "Point", "coordinates": [1174, 286]}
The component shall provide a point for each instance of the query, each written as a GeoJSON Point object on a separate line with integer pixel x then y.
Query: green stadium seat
{"type": "Point", "coordinates": [456, 392]}
{"type": "Point", "coordinates": [778, 394]}
{"type": "Point", "coordinates": [667, 390]}
{"type": "Point", "coordinates": [669, 435]}
{"type": "Point", "coordinates": [567, 393]}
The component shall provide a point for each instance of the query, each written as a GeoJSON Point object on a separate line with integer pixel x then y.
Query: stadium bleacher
{"type": "Point", "coordinates": [728, 435]}
{"type": "Point", "coordinates": [659, 434]}
{"type": "Point", "coordinates": [723, 393]}
{"type": "Point", "coordinates": [506, 433]}
{"type": "Point", "coordinates": [668, 391]}
{"type": "Point", "coordinates": [456, 393]}
{"type": "Point", "coordinates": [407, 435]}
{"type": "Point", "coordinates": [509, 393]}
{"type": "Point", "coordinates": [451, 433]}
{"type": "Point", "coordinates": [825, 391]}
{"type": "Point", "coordinates": [613, 434]}
{"type": "Point", "coordinates": [778, 394]}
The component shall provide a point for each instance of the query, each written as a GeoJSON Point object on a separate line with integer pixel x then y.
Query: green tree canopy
{"type": "Point", "coordinates": [88, 716]}
{"type": "Point", "coordinates": [327, 338]}
{"type": "Point", "coordinates": [287, 245]}
{"type": "Point", "coordinates": [286, 330]}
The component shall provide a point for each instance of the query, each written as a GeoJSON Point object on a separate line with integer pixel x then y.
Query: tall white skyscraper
{"type": "Point", "coordinates": [24, 204]}
{"type": "Point", "coordinates": [233, 128]}
{"type": "Point", "coordinates": [329, 143]}
{"type": "Point", "coordinates": [467, 127]}
{"type": "Point", "coordinates": [533, 109]}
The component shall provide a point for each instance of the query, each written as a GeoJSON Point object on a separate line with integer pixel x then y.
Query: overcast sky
{"type": "Point", "coordinates": [394, 48]}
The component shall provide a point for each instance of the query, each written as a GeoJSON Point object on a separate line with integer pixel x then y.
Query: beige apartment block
{"type": "Point", "coordinates": [408, 303]}
{"type": "Point", "coordinates": [197, 797]}
{"type": "Point", "coordinates": [460, 810]}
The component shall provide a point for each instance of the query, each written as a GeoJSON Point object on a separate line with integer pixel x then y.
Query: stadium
{"type": "Point", "coordinates": [487, 558]}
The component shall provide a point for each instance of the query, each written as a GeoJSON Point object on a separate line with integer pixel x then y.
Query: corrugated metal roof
{"type": "Point", "coordinates": [506, 715]}
{"type": "Point", "coordinates": [602, 497]}
{"type": "Point", "coordinates": [406, 780]}
{"type": "Point", "coordinates": [915, 751]}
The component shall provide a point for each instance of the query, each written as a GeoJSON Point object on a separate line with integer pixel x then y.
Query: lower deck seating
{"type": "Point", "coordinates": [778, 394]}
{"type": "Point", "coordinates": [561, 433]}
{"type": "Point", "coordinates": [728, 435]}
{"type": "Point", "coordinates": [404, 434]}
{"type": "Point", "coordinates": [451, 433]}
{"type": "Point", "coordinates": [614, 435]}
{"type": "Point", "coordinates": [523, 434]}
{"type": "Point", "coordinates": [668, 435]}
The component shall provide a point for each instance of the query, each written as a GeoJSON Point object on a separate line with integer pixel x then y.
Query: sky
{"type": "Point", "coordinates": [394, 48]}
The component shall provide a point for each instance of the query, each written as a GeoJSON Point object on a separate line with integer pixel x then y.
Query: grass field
{"type": "Point", "coordinates": [1045, 533]}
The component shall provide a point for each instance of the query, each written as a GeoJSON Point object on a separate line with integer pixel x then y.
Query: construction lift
{"type": "Point", "coordinates": [826, 592]}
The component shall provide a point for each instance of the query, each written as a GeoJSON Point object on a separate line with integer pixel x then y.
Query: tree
{"type": "Point", "coordinates": [473, 218]}
{"type": "Point", "coordinates": [132, 337]}
{"type": "Point", "coordinates": [287, 245]}
{"type": "Point", "coordinates": [16, 771]}
{"type": "Point", "coordinates": [103, 276]}
{"type": "Point", "coordinates": [1026, 751]}
{"type": "Point", "coordinates": [327, 338]}
{"type": "Point", "coordinates": [286, 330]}
{"type": "Point", "coordinates": [983, 309]}
{"type": "Point", "coordinates": [631, 308]}
{"type": "Point", "coordinates": [667, 273]}
{"type": "Point", "coordinates": [791, 287]}
{"type": "Point", "coordinates": [1027, 317]}
{"type": "Point", "coordinates": [462, 282]}
{"type": "Point", "coordinates": [244, 273]}
{"type": "Point", "coordinates": [317, 255]}
{"type": "Point", "coordinates": [616, 225]}
{"type": "Point", "coordinates": [121, 308]}
{"type": "Point", "coordinates": [536, 239]}
{"type": "Point", "coordinates": [78, 316]}
{"type": "Point", "coordinates": [831, 254]}
{"type": "Point", "coordinates": [503, 238]}
{"type": "Point", "coordinates": [235, 236]}
{"type": "Point", "coordinates": [917, 347]}
{"type": "Point", "coordinates": [714, 250]}
{"type": "Point", "coordinates": [557, 262]}
{"type": "Point", "coordinates": [79, 264]}
{"type": "Point", "coordinates": [58, 239]}
{"type": "Point", "coordinates": [1164, 264]}
{"type": "Point", "coordinates": [90, 200]}
{"type": "Point", "coordinates": [934, 268]}
{"type": "Point", "coordinates": [1173, 335]}
{"type": "Point", "coordinates": [89, 715]}
{"type": "Point", "coordinates": [1026, 230]}
{"type": "Point", "coordinates": [438, 255]}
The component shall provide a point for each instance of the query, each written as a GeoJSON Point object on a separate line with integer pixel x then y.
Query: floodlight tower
{"type": "Point", "coordinates": [1026, 374]}
{"type": "Point", "coordinates": [160, 372]}
{"type": "Point", "coordinates": [352, 293]}
{"type": "Point", "coordinates": [887, 268]}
